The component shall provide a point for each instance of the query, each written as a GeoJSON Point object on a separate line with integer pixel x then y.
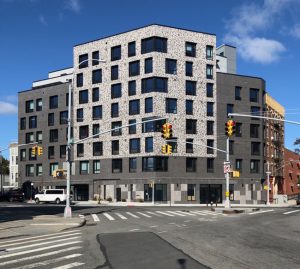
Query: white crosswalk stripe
{"type": "Point", "coordinates": [176, 213]}
{"type": "Point", "coordinates": [69, 266]}
{"type": "Point", "coordinates": [165, 213]}
{"type": "Point", "coordinates": [291, 212]}
{"type": "Point", "coordinates": [132, 215]}
{"type": "Point", "coordinates": [95, 217]}
{"type": "Point", "coordinates": [153, 213]}
{"type": "Point", "coordinates": [261, 211]}
{"type": "Point", "coordinates": [186, 213]}
{"type": "Point", "coordinates": [143, 214]}
{"type": "Point", "coordinates": [108, 216]}
{"type": "Point", "coordinates": [120, 216]}
{"type": "Point", "coordinates": [199, 213]}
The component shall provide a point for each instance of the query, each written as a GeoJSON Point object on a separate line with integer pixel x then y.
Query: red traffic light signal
{"type": "Point", "coordinates": [230, 127]}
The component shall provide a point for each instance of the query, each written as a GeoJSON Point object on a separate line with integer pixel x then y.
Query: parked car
{"type": "Point", "coordinates": [298, 200]}
{"type": "Point", "coordinates": [52, 195]}
{"type": "Point", "coordinates": [14, 195]}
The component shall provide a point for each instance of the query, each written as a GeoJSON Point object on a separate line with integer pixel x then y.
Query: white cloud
{"type": "Point", "coordinates": [42, 19]}
{"type": "Point", "coordinates": [295, 31]}
{"type": "Point", "coordinates": [73, 5]}
{"type": "Point", "coordinates": [8, 108]}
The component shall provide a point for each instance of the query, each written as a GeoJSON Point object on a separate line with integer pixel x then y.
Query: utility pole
{"type": "Point", "coordinates": [268, 183]}
{"type": "Point", "coordinates": [227, 201]}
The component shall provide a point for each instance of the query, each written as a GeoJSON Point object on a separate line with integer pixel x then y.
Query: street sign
{"type": "Point", "coordinates": [227, 168]}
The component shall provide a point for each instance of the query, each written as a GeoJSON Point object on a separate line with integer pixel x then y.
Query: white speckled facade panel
{"type": "Point", "coordinates": [176, 89]}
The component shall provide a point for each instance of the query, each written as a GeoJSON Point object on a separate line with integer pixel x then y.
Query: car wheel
{"type": "Point", "coordinates": [57, 201]}
{"type": "Point", "coordinates": [37, 200]}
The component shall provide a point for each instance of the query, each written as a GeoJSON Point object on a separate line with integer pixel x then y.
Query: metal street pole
{"type": "Point", "coordinates": [68, 210]}
{"type": "Point", "coordinates": [268, 183]}
{"type": "Point", "coordinates": [227, 201]}
{"type": "Point", "coordinates": [153, 193]}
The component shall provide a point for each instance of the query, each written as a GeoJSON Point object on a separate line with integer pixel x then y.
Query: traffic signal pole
{"type": "Point", "coordinates": [227, 201]}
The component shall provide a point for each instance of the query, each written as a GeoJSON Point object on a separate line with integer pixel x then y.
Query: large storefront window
{"type": "Point", "coordinates": [210, 193]}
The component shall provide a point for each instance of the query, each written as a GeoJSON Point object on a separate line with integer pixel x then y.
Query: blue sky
{"type": "Point", "coordinates": [37, 36]}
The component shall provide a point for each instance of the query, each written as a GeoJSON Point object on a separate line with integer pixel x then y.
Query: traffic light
{"type": "Point", "coordinates": [230, 128]}
{"type": "Point", "coordinates": [164, 149]}
{"type": "Point", "coordinates": [40, 150]}
{"type": "Point", "coordinates": [33, 151]}
{"type": "Point", "coordinates": [167, 131]}
{"type": "Point", "coordinates": [170, 130]}
{"type": "Point", "coordinates": [164, 131]}
{"type": "Point", "coordinates": [169, 149]}
{"type": "Point", "coordinates": [59, 173]}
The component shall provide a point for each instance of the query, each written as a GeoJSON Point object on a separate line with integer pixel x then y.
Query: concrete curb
{"type": "Point", "coordinates": [234, 210]}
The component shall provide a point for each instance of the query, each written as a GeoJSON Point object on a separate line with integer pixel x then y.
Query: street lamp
{"type": "Point", "coordinates": [68, 210]}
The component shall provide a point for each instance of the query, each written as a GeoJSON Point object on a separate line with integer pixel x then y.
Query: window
{"type": "Point", "coordinates": [39, 104]}
{"type": "Point", "coordinates": [171, 66]}
{"type": "Point", "coordinates": [209, 127]}
{"type": "Point", "coordinates": [53, 102]}
{"type": "Point", "coordinates": [97, 112]}
{"type": "Point", "coordinates": [131, 88]}
{"type": "Point", "coordinates": [29, 170]}
{"type": "Point", "coordinates": [23, 154]}
{"type": "Point", "coordinates": [210, 145]}
{"type": "Point", "coordinates": [148, 65]}
{"type": "Point", "coordinates": [134, 107]}
{"type": "Point", "coordinates": [83, 131]}
{"type": "Point", "coordinates": [190, 87]}
{"type": "Point", "coordinates": [171, 105]}
{"type": "Point", "coordinates": [191, 126]}
{"type": "Point", "coordinates": [132, 128]}
{"type": "Point", "coordinates": [84, 167]}
{"type": "Point", "coordinates": [189, 148]}
{"type": "Point", "coordinates": [116, 91]}
{"type": "Point", "coordinates": [238, 93]}
{"type": "Point", "coordinates": [22, 123]}
{"type": "Point", "coordinates": [83, 97]}
{"type": "Point", "coordinates": [253, 96]}
{"type": "Point", "coordinates": [210, 109]}
{"type": "Point", "coordinates": [255, 148]}
{"type": "Point", "coordinates": [189, 69]}
{"type": "Point", "coordinates": [134, 68]}
{"type": "Point", "coordinates": [39, 170]}
{"type": "Point", "coordinates": [149, 105]}
{"type": "Point", "coordinates": [255, 111]}
{"type": "Point", "coordinates": [210, 165]}
{"type": "Point", "coordinates": [209, 90]}
{"type": "Point", "coordinates": [191, 164]}
{"type": "Point", "coordinates": [114, 72]}
{"type": "Point", "coordinates": [115, 53]}
{"type": "Point", "coordinates": [231, 147]}
{"type": "Point", "coordinates": [97, 76]}
{"type": "Point", "coordinates": [53, 136]}
{"type": "Point", "coordinates": [63, 117]}
{"type": "Point", "coordinates": [229, 108]}
{"type": "Point", "coordinates": [131, 49]}
{"type": "Point", "coordinates": [95, 57]}
{"type": "Point", "coordinates": [154, 84]}
{"type": "Point", "coordinates": [239, 164]}
{"type": "Point", "coordinates": [116, 165]}
{"type": "Point", "coordinates": [63, 151]}
{"type": "Point", "coordinates": [158, 44]}
{"type": "Point", "coordinates": [83, 60]}
{"type": "Point", "coordinates": [114, 125]}
{"type": "Point", "coordinates": [51, 152]}
{"type": "Point", "coordinates": [96, 130]}
{"type": "Point", "coordinates": [152, 164]}
{"type": "Point", "coordinates": [29, 138]}
{"type": "Point", "coordinates": [209, 71]}
{"type": "Point", "coordinates": [53, 167]}
{"type": "Point", "coordinates": [191, 192]}
{"type": "Point", "coordinates": [254, 166]}
{"type": "Point", "coordinates": [152, 126]}
{"type": "Point", "coordinates": [32, 122]}
{"type": "Point", "coordinates": [149, 144]}
{"type": "Point", "coordinates": [29, 106]}
{"type": "Point", "coordinates": [209, 52]}
{"type": "Point", "coordinates": [254, 130]}
{"type": "Point", "coordinates": [79, 80]}
{"type": "Point", "coordinates": [238, 129]}
{"type": "Point", "coordinates": [132, 165]}
{"type": "Point", "coordinates": [190, 49]}
{"type": "Point", "coordinates": [115, 110]}
{"type": "Point", "coordinates": [189, 107]}
{"type": "Point", "coordinates": [96, 167]}
{"type": "Point", "coordinates": [134, 145]}
{"type": "Point", "coordinates": [97, 149]}
{"type": "Point", "coordinates": [80, 150]}
{"type": "Point", "coordinates": [96, 95]}
{"type": "Point", "coordinates": [79, 115]}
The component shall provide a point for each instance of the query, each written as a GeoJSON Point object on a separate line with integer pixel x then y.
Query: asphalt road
{"type": "Point", "coordinates": [159, 237]}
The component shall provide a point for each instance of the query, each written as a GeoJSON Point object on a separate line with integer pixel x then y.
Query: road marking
{"type": "Point", "coordinates": [43, 243]}
{"type": "Point", "coordinates": [152, 213]}
{"type": "Point", "coordinates": [161, 232]}
{"type": "Point", "coordinates": [47, 262]}
{"type": "Point", "coordinates": [172, 223]}
{"type": "Point", "coordinates": [41, 239]}
{"type": "Point", "coordinates": [199, 213]}
{"type": "Point", "coordinates": [95, 218]}
{"type": "Point", "coordinates": [133, 230]}
{"type": "Point", "coordinates": [290, 212]}
{"type": "Point", "coordinates": [120, 215]}
{"type": "Point", "coordinates": [259, 212]}
{"type": "Point", "coordinates": [39, 236]}
{"type": "Point", "coordinates": [164, 213]}
{"type": "Point", "coordinates": [108, 216]}
{"type": "Point", "coordinates": [143, 214]}
{"type": "Point", "coordinates": [211, 212]}
{"type": "Point", "coordinates": [81, 216]}
{"type": "Point", "coordinates": [54, 224]}
{"type": "Point", "coordinates": [38, 250]}
{"type": "Point", "coordinates": [70, 265]}
{"type": "Point", "coordinates": [176, 213]}
{"type": "Point", "coordinates": [132, 215]}
{"type": "Point", "coordinates": [153, 226]}
{"type": "Point", "coordinates": [188, 220]}
{"type": "Point", "coordinates": [186, 213]}
{"type": "Point", "coordinates": [40, 256]}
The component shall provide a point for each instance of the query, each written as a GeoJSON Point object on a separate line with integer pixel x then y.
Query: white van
{"type": "Point", "coordinates": [53, 195]}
